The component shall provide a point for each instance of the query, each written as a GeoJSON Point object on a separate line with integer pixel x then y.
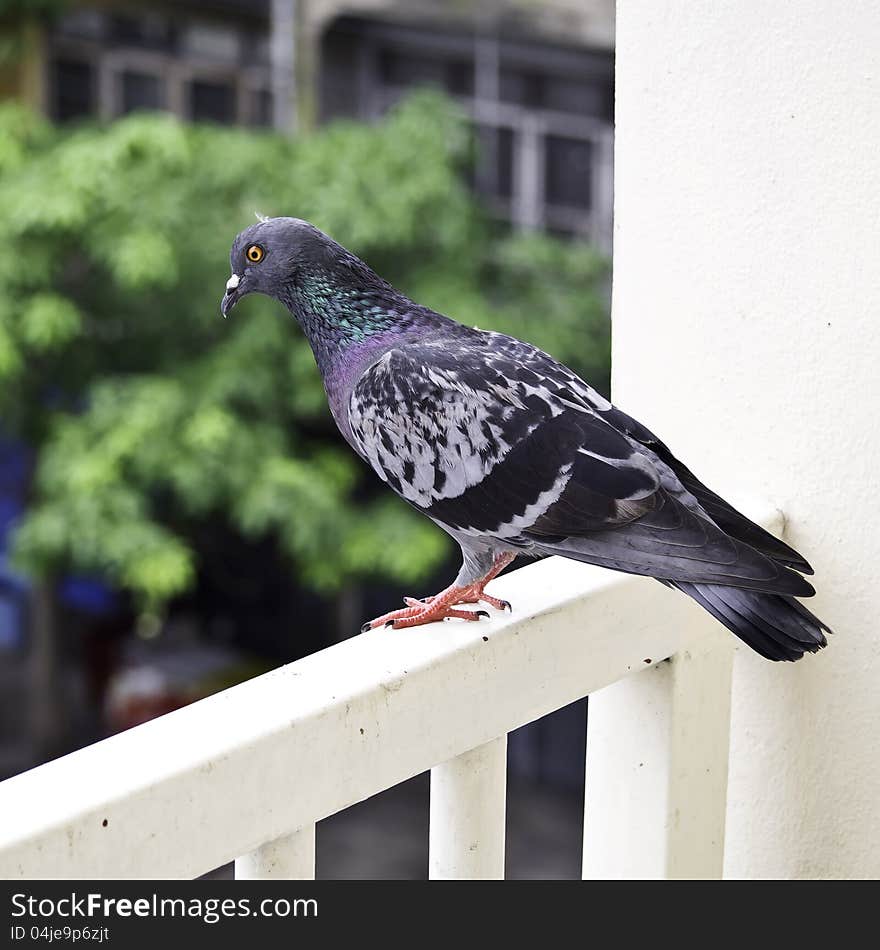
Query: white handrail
{"type": "Point", "coordinates": [245, 768]}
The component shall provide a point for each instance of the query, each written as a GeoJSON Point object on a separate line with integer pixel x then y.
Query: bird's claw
{"type": "Point", "coordinates": [495, 602]}
{"type": "Point", "coordinates": [418, 612]}
{"type": "Point", "coordinates": [435, 612]}
{"type": "Point", "coordinates": [442, 606]}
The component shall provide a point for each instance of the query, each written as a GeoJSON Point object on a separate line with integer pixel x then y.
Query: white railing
{"type": "Point", "coordinates": [245, 774]}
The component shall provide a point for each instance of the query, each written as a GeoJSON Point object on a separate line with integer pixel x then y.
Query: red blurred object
{"type": "Point", "coordinates": [164, 676]}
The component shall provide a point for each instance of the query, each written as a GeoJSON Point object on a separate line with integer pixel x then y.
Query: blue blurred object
{"type": "Point", "coordinates": [13, 589]}
{"type": "Point", "coordinates": [11, 612]}
{"type": "Point", "coordinates": [79, 593]}
{"type": "Point", "coordinates": [87, 594]}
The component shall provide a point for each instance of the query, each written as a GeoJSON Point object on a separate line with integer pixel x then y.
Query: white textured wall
{"type": "Point", "coordinates": [747, 334]}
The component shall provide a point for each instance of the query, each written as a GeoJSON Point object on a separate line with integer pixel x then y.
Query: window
{"type": "Point", "coordinates": [398, 68]}
{"type": "Point", "coordinates": [140, 91]}
{"type": "Point", "coordinates": [72, 89]}
{"type": "Point", "coordinates": [567, 164]}
{"type": "Point", "coordinates": [211, 102]}
{"type": "Point", "coordinates": [522, 87]}
{"type": "Point", "coordinates": [556, 93]}
{"type": "Point", "coordinates": [205, 70]}
{"type": "Point", "coordinates": [148, 31]}
{"type": "Point", "coordinates": [494, 174]}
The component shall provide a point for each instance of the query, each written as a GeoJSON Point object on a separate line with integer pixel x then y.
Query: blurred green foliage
{"type": "Point", "coordinates": [148, 412]}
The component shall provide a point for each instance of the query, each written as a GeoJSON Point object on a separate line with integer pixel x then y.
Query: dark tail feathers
{"type": "Point", "coordinates": [774, 625]}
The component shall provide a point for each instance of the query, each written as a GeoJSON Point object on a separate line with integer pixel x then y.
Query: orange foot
{"type": "Point", "coordinates": [441, 606]}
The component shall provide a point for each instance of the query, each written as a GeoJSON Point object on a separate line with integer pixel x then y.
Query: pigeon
{"type": "Point", "coordinates": [511, 453]}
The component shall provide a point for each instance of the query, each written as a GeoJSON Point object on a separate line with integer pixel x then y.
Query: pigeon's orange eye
{"type": "Point", "coordinates": [254, 253]}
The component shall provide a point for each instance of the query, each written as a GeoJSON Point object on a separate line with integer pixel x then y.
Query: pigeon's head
{"type": "Point", "coordinates": [267, 258]}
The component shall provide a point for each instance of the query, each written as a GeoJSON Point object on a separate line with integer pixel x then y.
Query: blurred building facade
{"type": "Point", "coordinates": [535, 75]}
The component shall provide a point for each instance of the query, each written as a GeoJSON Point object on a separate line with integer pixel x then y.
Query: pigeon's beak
{"type": "Point", "coordinates": [234, 292]}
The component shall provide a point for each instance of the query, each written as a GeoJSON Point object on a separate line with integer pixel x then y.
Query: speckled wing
{"type": "Point", "coordinates": [472, 435]}
{"type": "Point", "coordinates": [492, 438]}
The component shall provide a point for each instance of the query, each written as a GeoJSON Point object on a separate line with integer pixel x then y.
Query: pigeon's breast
{"type": "Point", "coordinates": [346, 370]}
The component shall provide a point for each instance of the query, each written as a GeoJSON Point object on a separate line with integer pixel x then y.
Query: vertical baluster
{"type": "Point", "coordinates": [656, 782]}
{"type": "Point", "coordinates": [288, 858]}
{"type": "Point", "coordinates": [468, 810]}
